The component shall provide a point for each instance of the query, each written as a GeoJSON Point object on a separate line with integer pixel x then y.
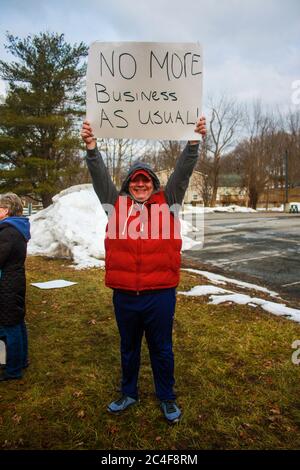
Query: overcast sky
{"type": "Point", "coordinates": [251, 48]}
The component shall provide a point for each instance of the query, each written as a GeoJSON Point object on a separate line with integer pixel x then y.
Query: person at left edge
{"type": "Point", "coordinates": [14, 235]}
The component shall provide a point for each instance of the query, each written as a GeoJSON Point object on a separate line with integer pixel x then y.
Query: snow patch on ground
{"type": "Point", "coordinates": [207, 210]}
{"type": "Point", "coordinates": [271, 307]}
{"type": "Point", "coordinates": [204, 290]}
{"type": "Point", "coordinates": [219, 279]}
{"type": "Point", "coordinates": [219, 296]}
{"type": "Point", "coordinates": [242, 299]}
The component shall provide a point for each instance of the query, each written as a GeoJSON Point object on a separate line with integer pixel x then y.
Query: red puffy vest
{"type": "Point", "coordinates": [142, 245]}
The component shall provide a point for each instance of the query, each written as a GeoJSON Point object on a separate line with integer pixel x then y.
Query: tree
{"type": "Point", "coordinates": [169, 153]}
{"type": "Point", "coordinates": [291, 124]}
{"type": "Point", "coordinates": [206, 167]}
{"type": "Point", "coordinates": [259, 158]}
{"type": "Point", "coordinates": [119, 155]}
{"type": "Point", "coordinates": [39, 138]}
{"type": "Point", "coordinates": [225, 120]}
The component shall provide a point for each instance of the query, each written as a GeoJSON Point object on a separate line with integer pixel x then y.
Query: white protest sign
{"type": "Point", "coordinates": [144, 90]}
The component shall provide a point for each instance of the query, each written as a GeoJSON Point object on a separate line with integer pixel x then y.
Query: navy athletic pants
{"type": "Point", "coordinates": [152, 314]}
{"type": "Point", "coordinates": [16, 342]}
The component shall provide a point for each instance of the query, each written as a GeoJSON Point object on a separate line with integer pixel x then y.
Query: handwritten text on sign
{"type": "Point", "coordinates": [144, 90]}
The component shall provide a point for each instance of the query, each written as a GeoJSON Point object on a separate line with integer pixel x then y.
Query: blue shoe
{"type": "Point", "coordinates": [121, 404]}
{"type": "Point", "coordinates": [171, 411]}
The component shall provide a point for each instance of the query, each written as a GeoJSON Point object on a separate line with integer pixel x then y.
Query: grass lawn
{"type": "Point", "coordinates": [235, 380]}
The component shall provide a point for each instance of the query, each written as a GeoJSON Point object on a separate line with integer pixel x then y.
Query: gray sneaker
{"type": "Point", "coordinates": [171, 411]}
{"type": "Point", "coordinates": [120, 405]}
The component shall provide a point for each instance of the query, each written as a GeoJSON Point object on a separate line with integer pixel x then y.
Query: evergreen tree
{"type": "Point", "coordinates": [39, 120]}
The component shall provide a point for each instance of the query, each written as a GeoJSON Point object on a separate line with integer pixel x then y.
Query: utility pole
{"type": "Point", "coordinates": [286, 204]}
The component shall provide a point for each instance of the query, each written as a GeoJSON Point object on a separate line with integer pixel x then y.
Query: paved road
{"type": "Point", "coordinates": [253, 246]}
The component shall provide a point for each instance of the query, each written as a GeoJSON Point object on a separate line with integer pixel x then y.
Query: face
{"type": "Point", "coordinates": [3, 213]}
{"type": "Point", "coordinates": [141, 188]}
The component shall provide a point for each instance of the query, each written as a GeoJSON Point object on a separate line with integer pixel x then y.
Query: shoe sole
{"type": "Point", "coordinates": [173, 421]}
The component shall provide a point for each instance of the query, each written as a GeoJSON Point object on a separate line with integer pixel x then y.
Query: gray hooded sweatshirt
{"type": "Point", "coordinates": [175, 188]}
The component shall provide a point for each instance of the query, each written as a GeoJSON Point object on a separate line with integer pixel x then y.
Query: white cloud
{"type": "Point", "coordinates": [251, 48]}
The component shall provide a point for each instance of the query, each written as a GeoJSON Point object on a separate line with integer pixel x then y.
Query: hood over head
{"type": "Point", "coordinates": [20, 223]}
{"type": "Point", "coordinates": [145, 169]}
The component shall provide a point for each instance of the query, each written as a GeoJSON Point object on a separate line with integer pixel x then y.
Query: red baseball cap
{"type": "Point", "coordinates": [140, 172]}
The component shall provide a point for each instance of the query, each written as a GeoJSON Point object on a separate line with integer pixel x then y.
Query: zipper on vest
{"type": "Point", "coordinates": [127, 218]}
{"type": "Point", "coordinates": [139, 245]}
{"type": "Point", "coordinates": [141, 216]}
{"type": "Point", "coordinates": [138, 264]}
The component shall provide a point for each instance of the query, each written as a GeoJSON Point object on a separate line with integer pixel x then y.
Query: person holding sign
{"type": "Point", "coordinates": [142, 261]}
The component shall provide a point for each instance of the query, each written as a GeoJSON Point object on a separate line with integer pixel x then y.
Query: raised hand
{"type": "Point", "coordinates": [200, 129]}
{"type": "Point", "coordinates": [201, 126]}
{"type": "Point", "coordinates": [88, 136]}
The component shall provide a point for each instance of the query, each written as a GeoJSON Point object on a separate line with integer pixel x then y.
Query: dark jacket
{"type": "Point", "coordinates": [14, 235]}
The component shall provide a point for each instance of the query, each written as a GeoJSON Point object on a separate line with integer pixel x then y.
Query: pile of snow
{"type": "Point", "coordinates": [271, 209]}
{"type": "Point", "coordinates": [73, 227]}
{"type": "Point", "coordinates": [231, 208]}
{"type": "Point", "coordinates": [207, 210]}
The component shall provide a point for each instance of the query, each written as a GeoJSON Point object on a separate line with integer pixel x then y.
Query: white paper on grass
{"type": "Point", "coordinates": [57, 284]}
{"type": "Point", "coordinates": [144, 90]}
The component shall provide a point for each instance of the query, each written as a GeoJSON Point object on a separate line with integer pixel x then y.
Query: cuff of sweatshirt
{"type": "Point", "coordinates": [193, 148]}
{"type": "Point", "coordinates": [92, 153]}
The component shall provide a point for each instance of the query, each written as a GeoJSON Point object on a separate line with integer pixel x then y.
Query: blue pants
{"type": "Point", "coordinates": [16, 341]}
{"type": "Point", "coordinates": [152, 314]}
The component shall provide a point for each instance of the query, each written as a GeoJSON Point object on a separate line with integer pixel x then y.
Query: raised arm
{"type": "Point", "coordinates": [179, 179]}
{"type": "Point", "coordinates": [102, 182]}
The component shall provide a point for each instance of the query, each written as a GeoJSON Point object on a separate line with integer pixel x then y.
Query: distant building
{"type": "Point", "coordinates": [31, 206]}
{"type": "Point", "coordinates": [227, 195]}
{"type": "Point", "coordinates": [193, 193]}
{"type": "Point", "coordinates": [276, 197]}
